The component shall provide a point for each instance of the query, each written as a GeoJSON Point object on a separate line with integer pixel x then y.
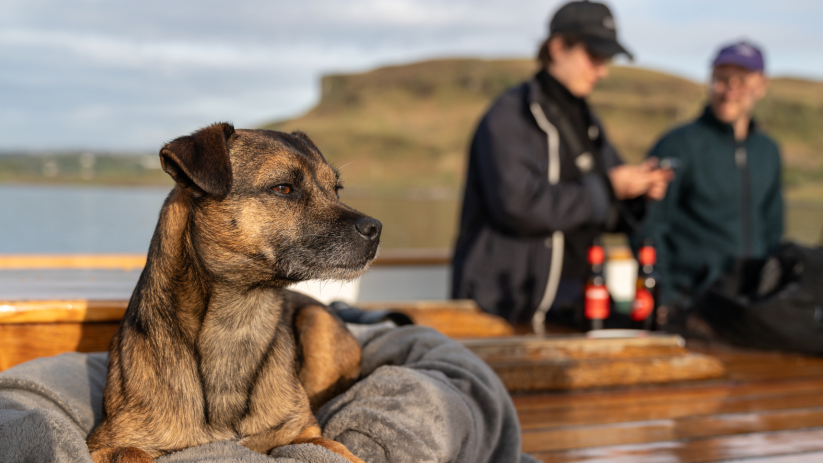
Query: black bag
{"type": "Point", "coordinates": [774, 303]}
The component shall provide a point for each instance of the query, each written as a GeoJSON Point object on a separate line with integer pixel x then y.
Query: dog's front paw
{"type": "Point", "coordinates": [311, 435]}
{"type": "Point", "coordinates": [121, 455]}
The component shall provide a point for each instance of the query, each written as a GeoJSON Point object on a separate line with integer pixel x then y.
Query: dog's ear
{"type": "Point", "coordinates": [201, 160]}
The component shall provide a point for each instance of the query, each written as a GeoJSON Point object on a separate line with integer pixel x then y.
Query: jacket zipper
{"type": "Point", "coordinates": [556, 242]}
{"type": "Point", "coordinates": [741, 161]}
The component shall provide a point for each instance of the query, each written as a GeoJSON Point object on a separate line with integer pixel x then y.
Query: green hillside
{"type": "Point", "coordinates": [408, 127]}
{"type": "Point", "coordinates": [404, 130]}
{"type": "Point", "coordinates": [83, 168]}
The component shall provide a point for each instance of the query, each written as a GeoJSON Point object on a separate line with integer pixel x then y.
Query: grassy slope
{"type": "Point", "coordinates": [409, 126]}
{"type": "Point", "coordinates": [405, 126]}
{"type": "Point", "coordinates": [67, 168]}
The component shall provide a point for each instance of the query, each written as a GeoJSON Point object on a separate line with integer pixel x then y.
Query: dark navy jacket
{"type": "Point", "coordinates": [510, 210]}
{"type": "Point", "coordinates": [724, 203]}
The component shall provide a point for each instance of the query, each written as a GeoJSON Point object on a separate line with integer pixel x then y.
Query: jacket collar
{"type": "Point", "coordinates": [535, 94]}
{"type": "Point", "coordinates": [556, 91]}
{"type": "Point", "coordinates": [711, 120]}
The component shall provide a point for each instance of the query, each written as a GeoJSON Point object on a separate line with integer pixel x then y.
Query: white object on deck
{"type": "Point", "coordinates": [621, 278]}
{"type": "Point", "coordinates": [327, 291]}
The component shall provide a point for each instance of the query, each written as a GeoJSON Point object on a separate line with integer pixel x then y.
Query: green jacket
{"type": "Point", "coordinates": [724, 203]}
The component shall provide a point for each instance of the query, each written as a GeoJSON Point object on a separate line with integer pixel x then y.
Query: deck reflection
{"type": "Point", "coordinates": [768, 409]}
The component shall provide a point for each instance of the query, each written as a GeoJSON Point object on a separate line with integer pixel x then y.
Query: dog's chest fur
{"type": "Point", "coordinates": [236, 336]}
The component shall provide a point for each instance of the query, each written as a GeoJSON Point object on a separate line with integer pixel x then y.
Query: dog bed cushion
{"type": "Point", "coordinates": [423, 398]}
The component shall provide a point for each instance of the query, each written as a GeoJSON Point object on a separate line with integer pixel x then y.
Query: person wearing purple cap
{"type": "Point", "coordinates": [543, 180]}
{"type": "Point", "coordinates": [726, 201]}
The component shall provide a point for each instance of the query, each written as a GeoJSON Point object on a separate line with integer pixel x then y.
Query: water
{"type": "Point", "coordinates": [100, 220]}
{"type": "Point", "coordinates": [77, 220]}
{"type": "Point", "coordinates": [430, 282]}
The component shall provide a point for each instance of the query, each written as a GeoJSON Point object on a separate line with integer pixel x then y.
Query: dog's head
{"type": "Point", "coordinates": [265, 207]}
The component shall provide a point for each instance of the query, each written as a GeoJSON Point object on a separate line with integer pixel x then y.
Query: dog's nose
{"type": "Point", "coordinates": [369, 228]}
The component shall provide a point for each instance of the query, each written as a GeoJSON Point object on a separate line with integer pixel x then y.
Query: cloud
{"type": "Point", "coordinates": [131, 75]}
{"type": "Point", "coordinates": [124, 52]}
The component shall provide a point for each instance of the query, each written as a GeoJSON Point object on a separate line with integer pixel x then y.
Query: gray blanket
{"type": "Point", "coordinates": [423, 398]}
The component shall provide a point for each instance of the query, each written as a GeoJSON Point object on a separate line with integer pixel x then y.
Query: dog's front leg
{"type": "Point", "coordinates": [295, 432]}
{"type": "Point", "coordinates": [312, 435]}
{"type": "Point", "coordinates": [121, 455]}
{"type": "Point", "coordinates": [331, 354]}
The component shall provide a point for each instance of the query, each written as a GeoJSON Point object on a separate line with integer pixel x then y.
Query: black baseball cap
{"type": "Point", "coordinates": [593, 23]}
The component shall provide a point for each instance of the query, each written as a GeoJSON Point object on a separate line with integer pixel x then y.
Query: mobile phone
{"type": "Point", "coordinates": [669, 163]}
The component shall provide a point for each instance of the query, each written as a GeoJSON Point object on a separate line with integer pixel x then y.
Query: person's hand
{"type": "Point", "coordinates": [645, 179]}
{"type": "Point", "coordinates": [630, 181]}
{"type": "Point", "coordinates": [659, 179]}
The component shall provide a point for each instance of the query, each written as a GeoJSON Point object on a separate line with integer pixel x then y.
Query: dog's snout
{"type": "Point", "coordinates": [368, 227]}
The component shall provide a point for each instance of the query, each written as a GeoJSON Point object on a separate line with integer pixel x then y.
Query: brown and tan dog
{"type": "Point", "coordinates": [212, 347]}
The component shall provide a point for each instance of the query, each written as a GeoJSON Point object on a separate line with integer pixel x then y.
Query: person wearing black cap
{"type": "Point", "coordinates": [726, 200]}
{"type": "Point", "coordinates": [543, 180]}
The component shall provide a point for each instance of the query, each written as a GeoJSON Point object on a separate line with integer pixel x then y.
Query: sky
{"type": "Point", "coordinates": [132, 75]}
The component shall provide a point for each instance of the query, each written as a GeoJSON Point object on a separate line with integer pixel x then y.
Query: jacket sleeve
{"type": "Point", "coordinates": [773, 209]}
{"type": "Point", "coordinates": [658, 220]}
{"type": "Point", "coordinates": [626, 216]}
{"type": "Point", "coordinates": [514, 182]}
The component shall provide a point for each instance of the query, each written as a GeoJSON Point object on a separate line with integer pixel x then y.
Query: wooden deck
{"type": "Point", "coordinates": [768, 409]}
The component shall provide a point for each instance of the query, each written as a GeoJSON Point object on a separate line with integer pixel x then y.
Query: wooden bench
{"type": "Point", "coordinates": [32, 329]}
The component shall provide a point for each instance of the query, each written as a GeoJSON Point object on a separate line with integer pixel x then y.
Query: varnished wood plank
{"type": "Point", "coordinates": [799, 443]}
{"type": "Point", "coordinates": [784, 366]}
{"type": "Point", "coordinates": [32, 329]}
{"type": "Point", "coordinates": [690, 427]}
{"type": "Point", "coordinates": [555, 402]}
{"type": "Point", "coordinates": [751, 365]}
{"type": "Point", "coordinates": [21, 343]}
{"type": "Point", "coordinates": [455, 318]}
{"type": "Point", "coordinates": [533, 363]}
{"type": "Point", "coordinates": [460, 323]}
{"type": "Point", "coordinates": [61, 311]}
{"type": "Point", "coordinates": [575, 347]}
{"type": "Point", "coordinates": [646, 410]}
{"type": "Point", "coordinates": [391, 257]}
{"type": "Point", "coordinates": [538, 375]}
{"type": "Point", "coordinates": [72, 261]}
{"type": "Point", "coordinates": [50, 311]}
{"type": "Point", "coordinates": [803, 457]}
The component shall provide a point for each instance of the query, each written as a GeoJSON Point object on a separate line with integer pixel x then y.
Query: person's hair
{"type": "Point", "coordinates": [543, 55]}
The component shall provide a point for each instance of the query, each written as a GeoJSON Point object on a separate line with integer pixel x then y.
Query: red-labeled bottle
{"type": "Point", "coordinates": [644, 306]}
{"type": "Point", "coordinates": [597, 299]}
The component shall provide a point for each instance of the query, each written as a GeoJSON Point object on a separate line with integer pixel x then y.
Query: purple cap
{"type": "Point", "coordinates": [741, 54]}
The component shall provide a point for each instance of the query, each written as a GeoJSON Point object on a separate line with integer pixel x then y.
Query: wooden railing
{"type": "Point", "coordinates": [36, 328]}
{"type": "Point", "coordinates": [390, 257]}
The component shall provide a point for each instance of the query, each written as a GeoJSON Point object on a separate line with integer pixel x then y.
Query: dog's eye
{"type": "Point", "coordinates": [282, 189]}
